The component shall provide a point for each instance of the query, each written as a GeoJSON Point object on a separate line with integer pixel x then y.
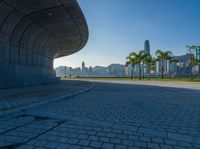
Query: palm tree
{"type": "Point", "coordinates": [139, 59]}
{"type": "Point", "coordinates": [193, 61]}
{"type": "Point", "coordinates": [146, 59]}
{"type": "Point", "coordinates": [141, 56]}
{"type": "Point", "coordinates": [162, 56]}
{"type": "Point", "coordinates": [131, 60]}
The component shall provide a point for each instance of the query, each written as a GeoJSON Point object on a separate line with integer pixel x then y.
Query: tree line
{"type": "Point", "coordinates": [145, 60]}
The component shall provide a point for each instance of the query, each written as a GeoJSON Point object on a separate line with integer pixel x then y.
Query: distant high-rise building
{"type": "Point", "coordinates": [147, 50]}
{"type": "Point", "coordinates": [83, 66]}
{"type": "Point", "coordinates": [147, 46]}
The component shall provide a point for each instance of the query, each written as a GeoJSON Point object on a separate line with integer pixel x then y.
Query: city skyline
{"type": "Point", "coordinates": [122, 28]}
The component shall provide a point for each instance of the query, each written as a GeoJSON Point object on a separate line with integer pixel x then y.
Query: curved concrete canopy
{"type": "Point", "coordinates": [35, 32]}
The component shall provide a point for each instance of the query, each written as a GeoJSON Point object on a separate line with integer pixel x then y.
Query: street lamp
{"type": "Point", "coordinates": [178, 65]}
{"type": "Point", "coordinates": [65, 71]}
{"type": "Point", "coordinates": [181, 67]}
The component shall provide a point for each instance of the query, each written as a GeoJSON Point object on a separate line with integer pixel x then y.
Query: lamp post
{"type": "Point", "coordinates": [178, 66]}
{"type": "Point", "coordinates": [65, 71]}
{"type": "Point", "coordinates": [181, 68]}
{"type": "Point", "coordinates": [198, 58]}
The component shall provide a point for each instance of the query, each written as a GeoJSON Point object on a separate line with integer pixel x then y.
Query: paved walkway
{"type": "Point", "coordinates": [111, 116]}
{"type": "Point", "coordinates": [174, 84]}
{"type": "Point", "coordinates": [20, 97]}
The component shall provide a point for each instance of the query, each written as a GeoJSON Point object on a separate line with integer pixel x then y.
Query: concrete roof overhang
{"type": "Point", "coordinates": [57, 27]}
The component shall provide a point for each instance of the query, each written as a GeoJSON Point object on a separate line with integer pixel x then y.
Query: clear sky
{"type": "Point", "coordinates": [118, 27]}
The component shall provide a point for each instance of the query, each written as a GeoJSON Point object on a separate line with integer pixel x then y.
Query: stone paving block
{"type": "Point", "coordinates": [51, 145]}
{"type": "Point", "coordinates": [97, 129]}
{"type": "Point", "coordinates": [101, 134]}
{"type": "Point", "coordinates": [153, 145]}
{"type": "Point", "coordinates": [115, 140]}
{"type": "Point", "coordinates": [132, 137]}
{"type": "Point", "coordinates": [132, 147]}
{"type": "Point", "coordinates": [122, 136]}
{"type": "Point", "coordinates": [107, 146]}
{"type": "Point", "coordinates": [75, 147]}
{"type": "Point", "coordinates": [82, 131]}
{"type": "Point", "coordinates": [180, 147]}
{"type": "Point", "coordinates": [62, 146]}
{"type": "Point", "coordinates": [73, 141]}
{"type": "Point", "coordinates": [61, 140]}
{"type": "Point", "coordinates": [170, 142]}
{"type": "Point", "coordinates": [127, 128]}
{"type": "Point", "coordinates": [87, 147]}
{"type": "Point", "coordinates": [120, 147]}
{"type": "Point", "coordinates": [93, 138]}
{"type": "Point", "coordinates": [140, 144]}
{"type": "Point", "coordinates": [107, 130]}
{"type": "Point", "coordinates": [84, 142]}
{"type": "Point", "coordinates": [51, 138]}
{"type": "Point", "coordinates": [38, 143]}
{"type": "Point", "coordinates": [153, 132]}
{"type": "Point", "coordinates": [111, 135]}
{"type": "Point", "coordinates": [128, 142]}
{"type": "Point", "coordinates": [104, 139]}
{"type": "Point", "coordinates": [25, 147]}
{"type": "Point", "coordinates": [73, 135]}
{"type": "Point", "coordinates": [117, 130]}
{"type": "Point", "coordinates": [165, 146]}
{"type": "Point", "coordinates": [39, 148]}
{"type": "Point", "coordinates": [145, 139]}
{"type": "Point", "coordinates": [91, 132]}
{"type": "Point", "coordinates": [96, 144]}
{"type": "Point", "coordinates": [157, 140]}
{"type": "Point", "coordinates": [83, 136]}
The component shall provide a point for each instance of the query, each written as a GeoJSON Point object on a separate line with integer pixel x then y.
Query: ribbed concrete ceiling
{"type": "Point", "coordinates": [55, 27]}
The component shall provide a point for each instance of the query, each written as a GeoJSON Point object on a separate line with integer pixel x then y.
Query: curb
{"type": "Point", "coordinates": [11, 111]}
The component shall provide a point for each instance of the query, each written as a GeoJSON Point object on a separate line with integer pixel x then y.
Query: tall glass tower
{"type": "Point", "coordinates": [147, 46]}
{"type": "Point", "coordinates": [147, 50]}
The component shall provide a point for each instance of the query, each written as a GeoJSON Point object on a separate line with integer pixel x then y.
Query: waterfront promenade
{"type": "Point", "coordinates": [111, 115]}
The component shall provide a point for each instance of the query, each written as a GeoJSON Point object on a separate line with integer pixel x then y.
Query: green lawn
{"type": "Point", "coordinates": [145, 79]}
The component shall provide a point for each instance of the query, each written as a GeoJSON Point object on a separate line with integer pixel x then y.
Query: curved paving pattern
{"type": "Point", "coordinates": [121, 116]}
{"type": "Point", "coordinates": [35, 32]}
{"type": "Point", "coordinates": [21, 98]}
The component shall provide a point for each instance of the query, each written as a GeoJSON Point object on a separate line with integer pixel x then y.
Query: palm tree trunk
{"type": "Point", "coordinates": [162, 69]}
{"type": "Point", "coordinates": [169, 72]}
{"type": "Point", "coordinates": [192, 72]}
{"type": "Point", "coordinates": [132, 72]}
{"type": "Point", "coordinates": [140, 72]}
{"type": "Point", "coordinates": [199, 70]}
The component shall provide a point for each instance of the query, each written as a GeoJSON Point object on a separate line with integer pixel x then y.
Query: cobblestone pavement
{"type": "Point", "coordinates": [19, 97]}
{"type": "Point", "coordinates": [111, 116]}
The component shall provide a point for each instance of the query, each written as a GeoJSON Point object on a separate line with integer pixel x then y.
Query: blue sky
{"type": "Point", "coordinates": [118, 27]}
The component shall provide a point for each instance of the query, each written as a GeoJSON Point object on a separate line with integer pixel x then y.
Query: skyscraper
{"type": "Point", "coordinates": [83, 66]}
{"type": "Point", "coordinates": [147, 50]}
{"type": "Point", "coordinates": [147, 46]}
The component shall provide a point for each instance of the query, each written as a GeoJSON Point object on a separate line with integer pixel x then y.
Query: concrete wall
{"type": "Point", "coordinates": [35, 32]}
